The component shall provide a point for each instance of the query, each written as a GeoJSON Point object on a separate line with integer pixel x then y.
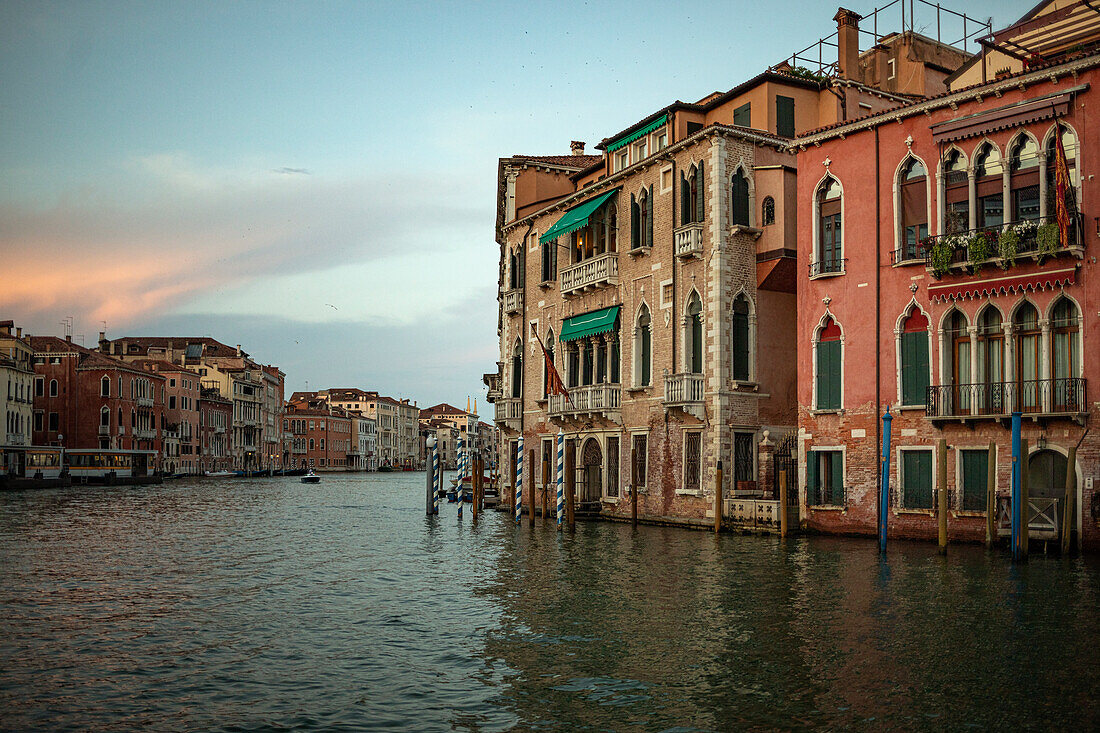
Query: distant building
{"type": "Point", "coordinates": [324, 435]}
{"type": "Point", "coordinates": [181, 413]}
{"type": "Point", "coordinates": [16, 386]}
{"type": "Point", "coordinates": [215, 417]}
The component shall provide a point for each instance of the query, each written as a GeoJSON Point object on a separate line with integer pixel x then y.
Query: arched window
{"type": "Point", "coordinates": [1024, 163]}
{"type": "Point", "coordinates": [739, 198]}
{"type": "Point", "coordinates": [913, 200]}
{"type": "Point", "coordinates": [691, 195]}
{"type": "Point", "coordinates": [641, 219]}
{"type": "Point", "coordinates": [546, 369]}
{"type": "Point", "coordinates": [829, 240]}
{"type": "Point", "coordinates": [694, 335]}
{"type": "Point", "coordinates": [105, 387]}
{"type": "Point", "coordinates": [549, 252]}
{"type": "Point", "coordinates": [586, 361]}
{"type": "Point", "coordinates": [1065, 330]}
{"type": "Point", "coordinates": [767, 211]}
{"type": "Point", "coordinates": [133, 419]}
{"type": "Point", "coordinates": [613, 356]}
{"type": "Point", "coordinates": [914, 358]}
{"type": "Point", "coordinates": [105, 416]}
{"type": "Point", "coordinates": [1069, 144]}
{"type": "Point", "coordinates": [827, 353]}
{"type": "Point", "coordinates": [1028, 338]}
{"type": "Point", "coordinates": [53, 388]}
{"type": "Point", "coordinates": [513, 270]}
{"type": "Point", "coordinates": [957, 343]}
{"type": "Point", "coordinates": [989, 182]}
{"type": "Point", "coordinates": [573, 354]}
{"type": "Point", "coordinates": [517, 369]}
{"type": "Point", "coordinates": [643, 348]}
{"type": "Point", "coordinates": [740, 338]}
{"type": "Point", "coordinates": [991, 370]}
{"type": "Point", "coordinates": [956, 193]}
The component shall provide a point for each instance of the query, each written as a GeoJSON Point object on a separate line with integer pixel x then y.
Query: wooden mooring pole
{"type": "Point", "coordinates": [718, 499]}
{"type": "Point", "coordinates": [1024, 513]}
{"type": "Point", "coordinates": [570, 481]}
{"type": "Point", "coordinates": [941, 485]}
{"type": "Point", "coordinates": [531, 504]}
{"type": "Point", "coordinates": [634, 486]}
{"type": "Point", "coordinates": [782, 502]}
{"type": "Point", "coordinates": [475, 488]}
{"type": "Point", "coordinates": [1068, 513]}
{"type": "Point", "coordinates": [545, 485]}
{"type": "Point", "coordinates": [991, 497]}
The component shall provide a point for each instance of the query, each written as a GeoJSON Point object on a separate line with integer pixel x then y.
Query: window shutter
{"type": "Point", "coordinates": [635, 240]}
{"type": "Point", "coordinates": [837, 466]}
{"type": "Point", "coordinates": [685, 198]}
{"type": "Point", "coordinates": [740, 346]}
{"type": "Point", "coordinates": [914, 368]}
{"type": "Point", "coordinates": [742, 116]}
{"type": "Point", "coordinates": [649, 219]}
{"type": "Point", "coordinates": [784, 109]}
{"type": "Point", "coordinates": [828, 375]}
{"type": "Point", "coordinates": [699, 189]}
{"type": "Point", "coordinates": [811, 478]}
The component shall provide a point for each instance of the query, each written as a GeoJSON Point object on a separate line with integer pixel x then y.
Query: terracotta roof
{"type": "Point", "coordinates": [86, 358]}
{"type": "Point", "coordinates": [442, 409]}
{"type": "Point", "coordinates": [162, 365]}
{"type": "Point", "coordinates": [570, 161]}
{"type": "Point", "coordinates": [213, 346]}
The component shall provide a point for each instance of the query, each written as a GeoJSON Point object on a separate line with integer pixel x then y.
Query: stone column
{"type": "Point", "coordinates": [765, 464]}
{"type": "Point", "coordinates": [1043, 184]}
{"type": "Point", "coordinates": [975, 392]}
{"type": "Point", "coordinates": [941, 192]}
{"type": "Point", "coordinates": [1046, 395]}
{"type": "Point", "coordinates": [972, 185]}
{"type": "Point", "coordinates": [1006, 192]}
{"type": "Point", "coordinates": [1009, 360]}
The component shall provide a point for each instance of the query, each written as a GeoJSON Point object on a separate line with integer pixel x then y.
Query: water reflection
{"type": "Point", "coordinates": [268, 603]}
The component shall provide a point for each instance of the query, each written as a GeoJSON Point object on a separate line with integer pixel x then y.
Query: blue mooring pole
{"type": "Point", "coordinates": [884, 488]}
{"type": "Point", "coordinates": [1017, 477]}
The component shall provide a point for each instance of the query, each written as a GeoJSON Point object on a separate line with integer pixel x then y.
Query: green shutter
{"type": "Point", "coordinates": [811, 477]}
{"type": "Point", "coordinates": [784, 113]}
{"type": "Point", "coordinates": [837, 466]}
{"type": "Point", "coordinates": [699, 208]}
{"type": "Point", "coordinates": [917, 478]}
{"type": "Point", "coordinates": [635, 238]}
{"type": "Point", "coordinates": [740, 346]}
{"type": "Point", "coordinates": [685, 197]}
{"type": "Point", "coordinates": [914, 368]}
{"type": "Point", "coordinates": [975, 464]}
{"type": "Point", "coordinates": [742, 116]}
{"type": "Point", "coordinates": [828, 375]}
{"type": "Point", "coordinates": [649, 219]}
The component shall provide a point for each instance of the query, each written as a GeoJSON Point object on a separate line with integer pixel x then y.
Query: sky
{"type": "Point", "coordinates": [316, 180]}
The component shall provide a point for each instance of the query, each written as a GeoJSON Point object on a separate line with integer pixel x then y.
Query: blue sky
{"type": "Point", "coordinates": [315, 181]}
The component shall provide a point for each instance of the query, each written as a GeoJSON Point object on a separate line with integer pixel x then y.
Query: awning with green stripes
{"type": "Point", "coordinates": [589, 324]}
{"type": "Point", "coordinates": [632, 136]}
{"type": "Point", "coordinates": [576, 217]}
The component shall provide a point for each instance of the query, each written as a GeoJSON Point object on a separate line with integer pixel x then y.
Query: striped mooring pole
{"type": "Point", "coordinates": [461, 475]}
{"type": "Point", "coordinates": [561, 477]}
{"type": "Point", "coordinates": [519, 479]}
{"type": "Point", "coordinates": [436, 476]}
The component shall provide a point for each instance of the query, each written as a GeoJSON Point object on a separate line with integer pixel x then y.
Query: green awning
{"type": "Point", "coordinates": [576, 217]}
{"type": "Point", "coordinates": [589, 324]}
{"type": "Point", "coordinates": [632, 136]}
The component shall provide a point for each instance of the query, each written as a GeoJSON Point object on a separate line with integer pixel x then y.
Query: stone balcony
{"type": "Point", "coordinates": [604, 400]}
{"type": "Point", "coordinates": [685, 391]}
{"type": "Point", "coordinates": [144, 401]}
{"type": "Point", "coordinates": [145, 433]}
{"type": "Point", "coordinates": [492, 382]}
{"type": "Point", "coordinates": [16, 439]}
{"type": "Point", "coordinates": [592, 273]}
{"type": "Point", "coordinates": [513, 301]}
{"type": "Point", "coordinates": [688, 240]}
{"type": "Point", "coordinates": [104, 430]}
{"type": "Point", "coordinates": [509, 412]}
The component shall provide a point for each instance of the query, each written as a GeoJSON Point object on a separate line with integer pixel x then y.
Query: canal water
{"type": "Point", "coordinates": [259, 604]}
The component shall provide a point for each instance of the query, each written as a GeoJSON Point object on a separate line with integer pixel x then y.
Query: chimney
{"type": "Point", "coordinates": [19, 332]}
{"type": "Point", "coordinates": [238, 349]}
{"type": "Point", "coordinates": [103, 343]}
{"type": "Point", "coordinates": [847, 31]}
{"type": "Point", "coordinates": [576, 147]}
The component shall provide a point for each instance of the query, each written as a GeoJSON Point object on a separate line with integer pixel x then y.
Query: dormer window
{"type": "Point", "coordinates": [622, 160]}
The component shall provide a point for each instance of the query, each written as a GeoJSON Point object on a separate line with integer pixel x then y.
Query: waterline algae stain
{"type": "Point", "coordinates": [266, 603]}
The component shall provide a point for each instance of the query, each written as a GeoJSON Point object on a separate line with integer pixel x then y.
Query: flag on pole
{"type": "Point", "coordinates": [554, 385]}
{"type": "Point", "coordinates": [1063, 187]}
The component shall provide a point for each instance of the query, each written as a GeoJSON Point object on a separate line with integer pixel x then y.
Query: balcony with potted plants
{"type": "Point", "coordinates": [1004, 246]}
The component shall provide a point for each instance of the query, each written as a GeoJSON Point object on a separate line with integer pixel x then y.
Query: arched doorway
{"type": "Point", "coordinates": [592, 471]}
{"type": "Point", "coordinates": [1046, 471]}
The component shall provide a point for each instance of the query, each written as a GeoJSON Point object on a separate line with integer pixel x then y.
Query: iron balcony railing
{"type": "Point", "coordinates": [688, 240]}
{"type": "Point", "coordinates": [1065, 396]}
{"type": "Point", "coordinates": [983, 244]}
{"type": "Point", "coordinates": [600, 270]}
{"type": "Point", "coordinates": [598, 398]}
{"type": "Point", "coordinates": [828, 266]}
{"type": "Point", "coordinates": [683, 389]}
{"type": "Point", "coordinates": [513, 300]}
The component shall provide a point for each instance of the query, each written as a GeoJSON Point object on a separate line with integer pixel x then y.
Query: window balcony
{"type": "Point", "coordinates": [513, 301]}
{"type": "Point", "coordinates": [104, 430]}
{"type": "Point", "coordinates": [1065, 397]}
{"type": "Point", "coordinates": [683, 390]}
{"type": "Point", "coordinates": [509, 412]}
{"type": "Point", "coordinates": [600, 270]}
{"type": "Point", "coordinates": [827, 267]}
{"type": "Point", "coordinates": [969, 250]}
{"type": "Point", "coordinates": [600, 399]}
{"type": "Point", "coordinates": [16, 439]}
{"type": "Point", "coordinates": [145, 433]}
{"type": "Point", "coordinates": [144, 401]}
{"type": "Point", "coordinates": [492, 381]}
{"type": "Point", "coordinates": [688, 240]}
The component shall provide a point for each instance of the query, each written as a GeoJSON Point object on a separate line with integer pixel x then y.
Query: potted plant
{"type": "Point", "coordinates": [940, 256]}
{"type": "Point", "coordinates": [1009, 246]}
{"type": "Point", "coordinates": [980, 247]}
{"type": "Point", "coordinates": [1047, 240]}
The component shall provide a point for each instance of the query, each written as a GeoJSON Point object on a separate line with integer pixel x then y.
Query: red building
{"type": "Point", "coordinates": [322, 438]}
{"type": "Point", "coordinates": [84, 399]}
{"type": "Point", "coordinates": [936, 283]}
{"type": "Point", "coordinates": [181, 414]}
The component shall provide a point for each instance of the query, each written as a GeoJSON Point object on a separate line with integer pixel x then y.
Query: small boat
{"type": "Point", "coordinates": [385, 469]}
{"type": "Point", "coordinates": [311, 478]}
{"type": "Point", "coordinates": [219, 474]}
